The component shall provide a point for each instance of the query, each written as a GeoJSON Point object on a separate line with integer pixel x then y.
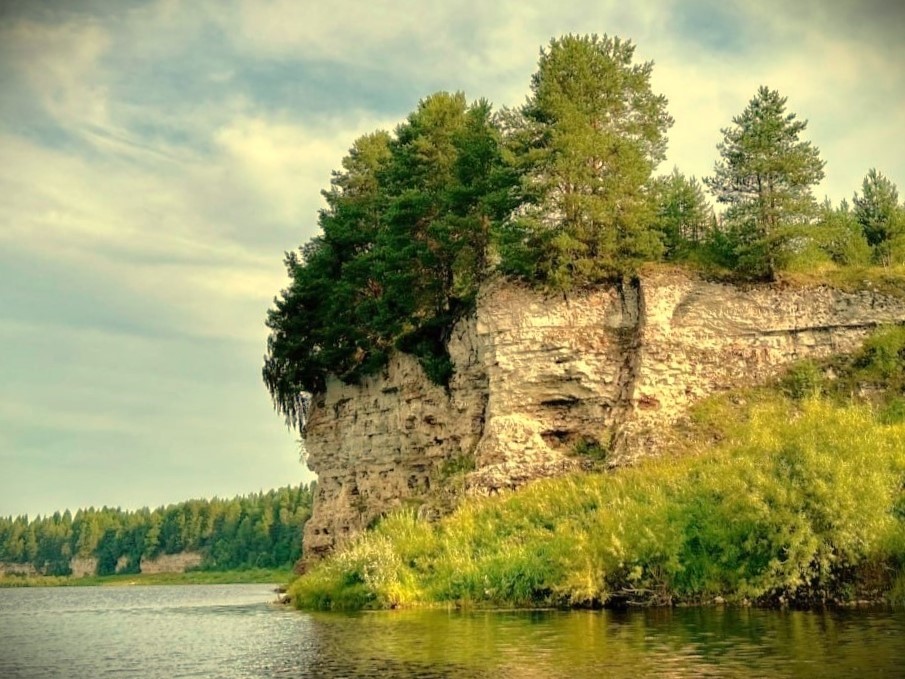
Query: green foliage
{"type": "Point", "coordinates": [839, 235]}
{"type": "Point", "coordinates": [802, 380]}
{"type": "Point", "coordinates": [402, 252]}
{"type": "Point", "coordinates": [262, 530]}
{"type": "Point", "coordinates": [456, 466]}
{"type": "Point", "coordinates": [584, 145]}
{"type": "Point", "coordinates": [893, 412]}
{"type": "Point", "coordinates": [883, 358]}
{"type": "Point", "coordinates": [324, 321]}
{"type": "Point", "coordinates": [371, 573]}
{"type": "Point", "coordinates": [876, 371]}
{"type": "Point", "coordinates": [233, 577]}
{"type": "Point", "coordinates": [881, 217]}
{"type": "Point", "coordinates": [764, 176]}
{"type": "Point", "coordinates": [683, 216]}
{"type": "Point", "coordinates": [591, 449]}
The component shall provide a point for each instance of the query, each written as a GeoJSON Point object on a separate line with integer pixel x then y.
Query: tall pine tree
{"type": "Point", "coordinates": [764, 176]}
{"type": "Point", "coordinates": [585, 143]}
{"type": "Point", "coordinates": [881, 218]}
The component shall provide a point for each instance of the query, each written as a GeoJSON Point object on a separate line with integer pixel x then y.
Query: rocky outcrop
{"type": "Point", "coordinates": [538, 377]}
{"type": "Point", "coordinates": [83, 566]}
{"type": "Point", "coordinates": [172, 563]}
{"type": "Point", "coordinates": [13, 568]}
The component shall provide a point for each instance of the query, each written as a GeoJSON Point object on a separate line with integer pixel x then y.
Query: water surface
{"type": "Point", "coordinates": [235, 631]}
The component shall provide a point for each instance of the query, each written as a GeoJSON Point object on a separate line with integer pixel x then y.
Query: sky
{"type": "Point", "coordinates": [158, 158]}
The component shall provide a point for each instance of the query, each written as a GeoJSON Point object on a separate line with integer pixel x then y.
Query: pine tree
{"type": "Point", "coordinates": [881, 218]}
{"type": "Point", "coordinates": [765, 176]}
{"type": "Point", "coordinates": [446, 188]}
{"type": "Point", "coordinates": [585, 143]}
{"type": "Point", "coordinates": [683, 216]}
{"type": "Point", "coordinates": [320, 323]}
{"type": "Point", "coordinates": [402, 252]}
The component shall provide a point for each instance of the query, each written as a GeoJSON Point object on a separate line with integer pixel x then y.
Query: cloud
{"type": "Point", "coordinates": [276, 161]}
{"type": "Point", "coordinates": [58, 63]}
{"type": "Point", "coordinates": [353, 32]}
{"type": "Point", "coordinates": [199, 237]}
{"type": "Point", "coordinates": [159, 157]}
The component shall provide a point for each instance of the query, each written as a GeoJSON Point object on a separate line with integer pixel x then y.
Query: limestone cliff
{"type": "Point", "coordinates": [536, 375]}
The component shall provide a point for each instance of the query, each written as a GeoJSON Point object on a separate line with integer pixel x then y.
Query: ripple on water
{"type": "Point", "coordinates": [234, 631]}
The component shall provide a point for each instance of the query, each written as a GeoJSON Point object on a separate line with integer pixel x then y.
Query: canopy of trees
{"type": "Point", "coordinates": [403, 249]}
{"type": "Point", "coordinates": [258, 530]}
{"type": "Point", "coordinates": [683, 216]}
{"type": "Point", "coordinates": [559, 193]}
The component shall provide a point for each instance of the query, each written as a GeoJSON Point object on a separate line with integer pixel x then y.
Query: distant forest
{"type": "Point", "coordinates": [258, 530]}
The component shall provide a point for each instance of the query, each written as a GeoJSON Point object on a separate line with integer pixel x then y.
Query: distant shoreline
{"type": "Point", "coordinates": [234, 577]}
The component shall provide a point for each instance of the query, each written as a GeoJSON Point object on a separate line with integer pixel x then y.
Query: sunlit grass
{"type": "Point", "coordinates": [886, 280]}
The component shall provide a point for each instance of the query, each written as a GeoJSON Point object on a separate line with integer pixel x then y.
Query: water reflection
{"type": "Point", "coordinates": [233, 631]}
{"type": "Point", "coordinates": [669, 643]}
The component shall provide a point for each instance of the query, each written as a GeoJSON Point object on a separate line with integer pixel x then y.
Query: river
{"type": "Point", "coordinates": [235, 631]}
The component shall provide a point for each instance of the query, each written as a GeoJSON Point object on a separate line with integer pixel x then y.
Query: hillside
{"type": "Point", "coordinates": [788, 493]}
{"type": "Point", "coordinates": [546, 384]}
{"type": "Point", "coordinates": [494, 298]}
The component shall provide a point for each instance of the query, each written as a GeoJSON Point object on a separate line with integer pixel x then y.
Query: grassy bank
{"type": "Point", "coordinates": [790, 494]}
{"type": "Point", "coordinates": [255, 575]}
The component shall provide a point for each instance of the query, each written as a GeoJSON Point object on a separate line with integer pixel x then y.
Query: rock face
{"type": "Point", "coordinates": [83, 566]}
{"type": "Point", "coordinates": [12, 568]}
{"type": "Point", "coordinates": [538, 376]}
{"type": "Point", "coordinates": [171, 563]}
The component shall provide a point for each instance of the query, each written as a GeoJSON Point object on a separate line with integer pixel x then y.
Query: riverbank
{"type": "Point", "coordinates": [791, 494]}
{"type": "Point", "coordinates": [237, 577]}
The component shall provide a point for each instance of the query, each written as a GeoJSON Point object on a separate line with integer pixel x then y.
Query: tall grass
{"type": "Point", "coordinates": [795, 496]}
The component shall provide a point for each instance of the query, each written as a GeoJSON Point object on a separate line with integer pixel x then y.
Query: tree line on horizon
{"type": "Point", "coordinates": [558, 193]}
{"type": "Point", "coordinates": [259, 530]}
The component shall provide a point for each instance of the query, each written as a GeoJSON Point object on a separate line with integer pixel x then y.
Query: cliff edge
{"type": "Point", "coordinates": [539, 378]}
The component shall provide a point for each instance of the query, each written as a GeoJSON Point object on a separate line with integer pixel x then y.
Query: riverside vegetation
{"type": "Point", "coordinates": [191, 577]}
{"type": "Point", "coordinates": [789, 493]}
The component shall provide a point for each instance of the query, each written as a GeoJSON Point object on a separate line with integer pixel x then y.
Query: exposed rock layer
{"type": "Point", "coordinates": [84, 566]}
{"type": "Point", "coordinates": [172, 563]}
{"type": "Point", "coordinates": [537, 375]}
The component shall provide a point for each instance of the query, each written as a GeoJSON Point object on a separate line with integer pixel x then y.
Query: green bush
{"type": "Point", "coordinates": [893, 411]}
{"type": "Point", "coordinates": [883, 356]}
{"type": "Point", "coordinates": [802, 379]}
{"type": "Point", "coordinates": [591, 449]}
